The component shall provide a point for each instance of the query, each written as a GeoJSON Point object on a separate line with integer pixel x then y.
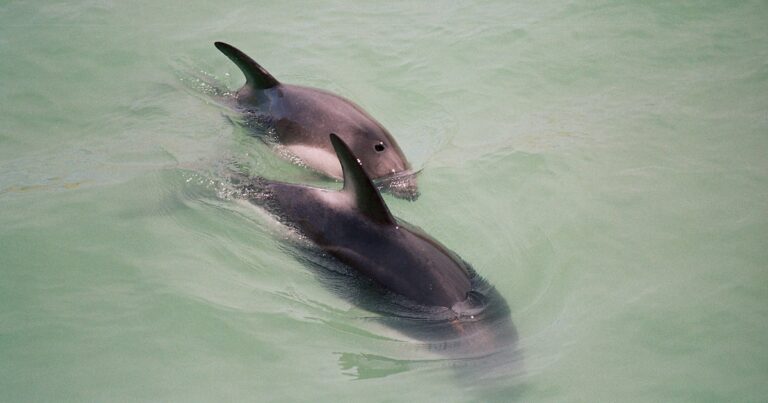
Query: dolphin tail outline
{"type": "Point", "coordinates": [367, 198]}
{"type": "Point", "coordinates": [255, 75]}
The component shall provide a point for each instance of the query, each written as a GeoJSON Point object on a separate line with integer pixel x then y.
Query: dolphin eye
{"type": "Point", "coordinates": [379, 147]}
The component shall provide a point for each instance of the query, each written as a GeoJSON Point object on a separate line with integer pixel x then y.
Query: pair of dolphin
{"type": "Point", "coordinates": [354, 225]}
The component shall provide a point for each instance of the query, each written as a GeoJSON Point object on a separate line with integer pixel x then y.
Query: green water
{"type": "Point", "coordinates": [603, 165]}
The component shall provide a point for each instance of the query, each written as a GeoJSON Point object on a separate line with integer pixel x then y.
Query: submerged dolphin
{"type": "Point", "coordinates": [355, 226]}
{"type": "Point", "coordinates": [302, 117]}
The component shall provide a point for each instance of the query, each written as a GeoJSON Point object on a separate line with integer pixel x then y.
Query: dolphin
{"type": "Point", "coordinates": [302, 117]}
{"type": "Point", "coordinates": [355, 226]}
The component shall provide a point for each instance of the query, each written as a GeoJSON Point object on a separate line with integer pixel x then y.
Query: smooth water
{"type": "Point", "coordinates": [604, 165]}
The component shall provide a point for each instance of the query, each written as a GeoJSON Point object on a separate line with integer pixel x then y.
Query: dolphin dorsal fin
{"type": "Point", "coordinates": [255, 75]}
{"type": "Point", "coordinates": [356, 182]}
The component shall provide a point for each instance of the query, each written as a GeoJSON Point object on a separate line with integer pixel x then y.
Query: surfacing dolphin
{"type": "Point", "coordinates": [302, 117]}
{"type": "Point", "coordinates": [457, 310]}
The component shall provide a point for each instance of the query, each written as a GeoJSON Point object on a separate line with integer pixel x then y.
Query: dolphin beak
{"type": "Point", "coordinates": [401, 185]}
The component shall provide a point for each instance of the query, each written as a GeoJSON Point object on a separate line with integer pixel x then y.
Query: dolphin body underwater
{"type": "Point", "coordinates": [444, 303]}
{"type": "Point", "coordinates": [302, 117]}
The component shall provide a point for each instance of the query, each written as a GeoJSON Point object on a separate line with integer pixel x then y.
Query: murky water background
{"type": "Point", "coordinates": [603, 165]}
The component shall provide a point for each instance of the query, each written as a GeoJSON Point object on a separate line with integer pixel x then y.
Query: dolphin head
{"type": "Point", "coordinates": [383, 160]}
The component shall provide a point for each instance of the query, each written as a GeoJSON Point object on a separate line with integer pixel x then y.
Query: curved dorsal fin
{"type": "Point", "coordinates": [255, 75]}
{"type": "Point", "coordinates": [356, 182]}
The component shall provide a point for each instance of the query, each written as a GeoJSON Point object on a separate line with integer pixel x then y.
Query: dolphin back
{"type": "Point", "coordinates": [256, 76]}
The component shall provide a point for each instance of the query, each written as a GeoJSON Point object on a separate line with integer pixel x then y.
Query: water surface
{"type": "Point", "coordinates": [603, 165]}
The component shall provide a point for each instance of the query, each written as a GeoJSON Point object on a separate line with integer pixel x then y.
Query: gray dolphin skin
{"type": "Point", "coordinates": [302, 117]}
{"type": "Point", "coordinates": [355, 226]}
